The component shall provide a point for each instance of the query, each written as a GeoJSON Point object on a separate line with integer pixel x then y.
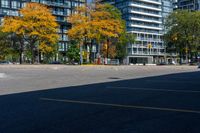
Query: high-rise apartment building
{"type": "Point", "coordinates": [189, 4]}
{"type": "Point", "coordinates": [60, 8]}
{"type": "Point", "coordinates": [145, 18]}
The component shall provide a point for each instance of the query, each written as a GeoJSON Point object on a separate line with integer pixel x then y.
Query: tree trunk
{"type": "Point", "coordinates": [21, 53]}
{"type": "Point", "coordinates": [20, 57]}
{"type": "Point", "coordinates": [107, 49]}
{"type": "Point", "coordinates": [33, 55]}
{"type": "Point", "coordinates": [180, 55]}
{"type": "Point", "coordinates": [90, 56]}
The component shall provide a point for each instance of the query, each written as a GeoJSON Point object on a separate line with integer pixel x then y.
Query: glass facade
{"type": "Point", "coordinates": [60, 8]}
{"type": "Point", "coordinates": [189, 4]}
{"type": "Point", "coordinates": [145, 19]}
{"type": "Point", "coordinates": [167, 8]}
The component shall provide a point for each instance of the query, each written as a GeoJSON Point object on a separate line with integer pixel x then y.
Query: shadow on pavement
{"type": "Point", "coordinates": [160, 104]}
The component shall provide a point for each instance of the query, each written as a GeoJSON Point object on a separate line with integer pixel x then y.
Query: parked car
{"type": "Point", "coordinates": [172, 63]}
{"type": "Point", "coordinates": [5, 62]}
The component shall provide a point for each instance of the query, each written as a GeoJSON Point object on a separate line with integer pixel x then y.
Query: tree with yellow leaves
{"type": "Point", "coordinates": [36, 25]}
{"type": "Point", "coordinates": [108, 51]}
{"type": "Point", "coordinates": [101, 22]}
{"type": "Point", "coordinates": [110, 25]}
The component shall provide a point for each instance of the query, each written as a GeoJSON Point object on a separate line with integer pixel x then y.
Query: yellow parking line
{"type": "Point", "coordinates": [122, 106]}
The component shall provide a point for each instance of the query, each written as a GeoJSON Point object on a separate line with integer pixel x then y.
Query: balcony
{"type": "Point", "coordinates": [59, 4]}
{"type": "Point", "coordinates": [145, 7]}
{"type": "Point", "coordinates": [59, 13]}
{"type": "Point", "coordinates": [148, 39]}
{"type": "Point", "coordinates": [144, 13]}
{"type": "Point", "coordinates": [172, 54]}
{"type": "Point", "coordinates": [147, 53]}
{"type": "Point", "coordinates": [145, 32]}
{"type": "Point", "coordinates": [152, 1]}
{"type": "Point", "coordinates": [145, 20]}
{"type": "Point", "coordinates": [146, 27]}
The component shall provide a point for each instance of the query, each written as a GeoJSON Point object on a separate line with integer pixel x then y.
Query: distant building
{"type": "Point", "coordinates": [145, 18]}
{"type": "Point", "coordinates": [60, 8]}
{"type": "Point", "coordinates": [189, 4]}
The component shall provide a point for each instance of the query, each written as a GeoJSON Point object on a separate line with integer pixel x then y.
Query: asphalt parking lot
{"type": "Point", "coordinates": [132, 99]}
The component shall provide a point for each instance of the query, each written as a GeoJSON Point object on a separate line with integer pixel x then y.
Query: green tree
{"type": "Point", "coordinates": [73, 52]}
{"type": "Point", "coordinates": [9, 49]}
{"type": "Point", "coordinates": [121, 46]}
{"type": "Point", "coordinates": [4, 45]}
{"type": "Point", "coordinates": [183, 32]}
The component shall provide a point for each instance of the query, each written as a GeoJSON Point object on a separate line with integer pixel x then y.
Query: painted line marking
{"type": "Point", "coordinates": [169, 81]}
{"type": "Point", "coordinates": [150, 89]}
{"type": "Point", "coordinates": [122, 106]}
{"type": "Point", "coordinates": [2, 75]}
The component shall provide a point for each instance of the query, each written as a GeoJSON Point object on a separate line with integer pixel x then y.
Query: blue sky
{"type": "Point", "coordinates": [89, 1]}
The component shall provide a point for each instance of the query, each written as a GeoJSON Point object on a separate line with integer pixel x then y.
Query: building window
{"type": "Point", "coordinates": [74, 4]}
{"type": "Point", "coordinates": [1, 20]}
{"type": "Point", "coordinates": [14, 4]}
{"type": "Point", "coordinates": [14, 13]}
{"type": "Point", "coordinates": [44, 2]}
{"type": "Point", "coordinates": [6, 12]}
{"type": "Point", "coordinates": [60, 37]}
{"type": "Point", "coordinates": [67, 3]}
{"type": "Point", "coordinates": [23, 5]}
{"type": "Point", "coordinates": [65, 37]}
{"type": "Point", "coordinates": [61, 46]}
{"type": "Point", "coordinates": [4, 3]}
{"type": "Point", "coordinates": [67, 12]}
{"type": "Point", "coordinates": [35, 1]}
{"type": "Point", "coordinates": [64, 29]}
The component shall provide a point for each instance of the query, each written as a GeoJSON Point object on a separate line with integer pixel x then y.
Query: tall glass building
{"type": "Point", "coordinates": [60, 8]}
{"type": "Point", "coordinates": [189, 4]}
{"type": "Point", "coordinates": [145, 18]}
